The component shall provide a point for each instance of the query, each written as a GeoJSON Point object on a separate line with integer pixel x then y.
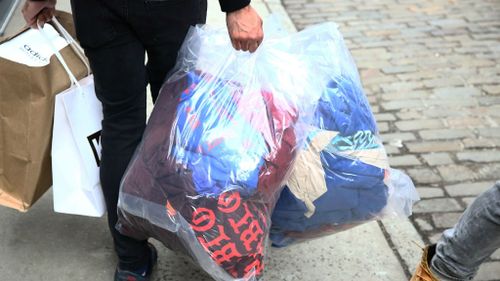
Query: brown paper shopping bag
{"type": "Point", "coordinates": [27, 97]}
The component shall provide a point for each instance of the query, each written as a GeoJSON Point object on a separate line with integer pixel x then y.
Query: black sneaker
{"type": "Point", "coordinates": [124, 275]}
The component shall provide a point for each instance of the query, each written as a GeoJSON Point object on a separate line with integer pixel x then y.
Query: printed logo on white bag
{"type": "Point", "coordinates": [95, 144]}
{"type": "Point", "coordinates": [33, 54]}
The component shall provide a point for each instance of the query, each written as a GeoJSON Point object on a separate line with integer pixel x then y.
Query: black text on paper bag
{"type": "Point", "coordinates": [95, 144]}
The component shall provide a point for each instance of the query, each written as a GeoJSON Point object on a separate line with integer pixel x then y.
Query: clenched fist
{"type": "Point", "coordinates": [245, 29]}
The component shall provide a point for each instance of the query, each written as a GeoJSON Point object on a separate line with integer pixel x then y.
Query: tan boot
{"type": "Point", "coordinates": [423, 271]}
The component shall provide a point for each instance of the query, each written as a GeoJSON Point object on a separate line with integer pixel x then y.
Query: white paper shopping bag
{"type": "Point", "coordinates": [76, 144]}
{"type": "Point", "coordinates": [76, 151]}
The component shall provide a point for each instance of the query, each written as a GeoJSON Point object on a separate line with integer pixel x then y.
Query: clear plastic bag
{"type": "Point", "coordinates": [227, 132]}
{"type": "Point", "coordinates": [220, 141]}
{"type": "Point", "coordinates": [341, 177]}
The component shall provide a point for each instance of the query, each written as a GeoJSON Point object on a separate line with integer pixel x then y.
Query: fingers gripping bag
{"type": "Point", "coordinates": [341, 177]}
{"type": "Point", "coordinates": [217, 150]}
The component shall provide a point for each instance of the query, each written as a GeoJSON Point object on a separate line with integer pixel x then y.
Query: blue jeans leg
{"type": "Point", "coordinates": [462, 249]}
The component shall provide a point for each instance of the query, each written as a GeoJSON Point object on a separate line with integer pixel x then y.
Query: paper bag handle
{"type": "Point", "coordinates": [58, 55]}
{"type": "Point", "coordinates": [71, 41]}
{"type": "Point", "coordinates": [76, 48]}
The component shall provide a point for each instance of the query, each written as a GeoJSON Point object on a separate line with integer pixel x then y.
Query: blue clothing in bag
{"type": "Point", "coordinates": [221, 149]}
{"type": "Point", "coordinates": [343, 108]}
{"type": "Point", "coordinates": [356, 191]}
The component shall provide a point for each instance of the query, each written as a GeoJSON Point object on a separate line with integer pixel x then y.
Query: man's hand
{"type": "Point", "coordinates": [41, 11]}
{"type": "Point", "coordinates": [245, 29]}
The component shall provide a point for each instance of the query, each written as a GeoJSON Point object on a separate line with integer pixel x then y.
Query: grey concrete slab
{"type": "Point", "coordinates": [41, 245]}
{"type": "Point", "coordinates": [406, 241]}
{"type": "Point", "coordinates": [45, 246]}
{"type": "Point", "coordinates": [361, 253]}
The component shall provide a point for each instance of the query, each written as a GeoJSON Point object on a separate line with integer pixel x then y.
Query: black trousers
{"type": "Point", "coordinates": [116, 35]}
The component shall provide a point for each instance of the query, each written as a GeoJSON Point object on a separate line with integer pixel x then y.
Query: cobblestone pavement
{"type": "Point", "coordinates": [431, 70]}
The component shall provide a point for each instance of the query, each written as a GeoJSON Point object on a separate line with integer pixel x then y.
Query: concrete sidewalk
{"type": "Point", "coordinates": [42, 245]}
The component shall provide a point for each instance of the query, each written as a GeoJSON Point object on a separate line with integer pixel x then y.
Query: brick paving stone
{"type": "Point", "coordinates": [456, 92]}
{"type": "Point", "coordinates": [378, 52]}
{"type": "Point", "coordinates": [434, 146]}
{"type": "Point", "coordinates": [489, 171]}
{"type": "Point", "coordinates": [479, 156]}
{"type": "Point", "coordinates": [420, 74]}
{"type": "Point", "coordinates": [481, 143]}
{"type": "Point", "coordinates": [423, 224]}
{"type": "Point", "coordinates": [492, 89]}
{"type": "Point", "coordinates": [468, 200]}
{"type": "Point", "coordinates": [402, 86]}
{"type": "Point", "coordinates": [495, 119]}
{"type": "Point", "coordinates": [450, 103]}
{"type": "Point", "coordinates": [489, 70]}
{"type": "Point", "coordinates": [454, 173]}
{"type": "Point", "coordinates": [483, 79]}
{"type": "Point", "coordinates": [440, 112]}
{"type": "Point", "coordinates": [419, 124]}
{"type": "Point", "coordinates": [383, 127]}
{"type": "Point", "coordinates": [399, 69]}
{"type": "Point", "coordinates": [452, 31]}
{"type": "Point", "coordinates": [489, 100]}
{"type": "Point", "coordinates": [449, 22]}
{"type": "Point", "coordinates": [392, 150]}
{"type": "Point", "coordinates": [371, 63]}
{"type": "Point", "coordinates": [404, 161]}
{"type": "Point", "coordinates": [466, 122]}
{"type": "Point", "coordinates": [397, 136]}
{"type": "Point", "coordinates": [445, 134]}
{"type": "Point", "coordinates": [400, 104]}
{"type": "Point", "coordinates": [430, 192]}
{"type": "Point", "coordinates": [490, 110]}
{"type": "Point", "coordinates": [423, 175]}
{"type": "Point", "coordinates": [452, 81]}
{"type": "Point", "coordinates": [385, 117]}
{"type": "Point", "coordinates": [437, 205]}
{"type": "Point", "coordinates": [468, 189]}
{"type": "Point", "coordinates": [434, 237]}
{"type": "Point", "coordinates": [445, 220]}
{"type": "Point", "coordinates": [490, 132]}
{"type": "Point", "coordinates": [435, 159]}
{"type": "Point", "coordinates": [371, 74]}
{"type": "Point", "coordinates": [406, 115]}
